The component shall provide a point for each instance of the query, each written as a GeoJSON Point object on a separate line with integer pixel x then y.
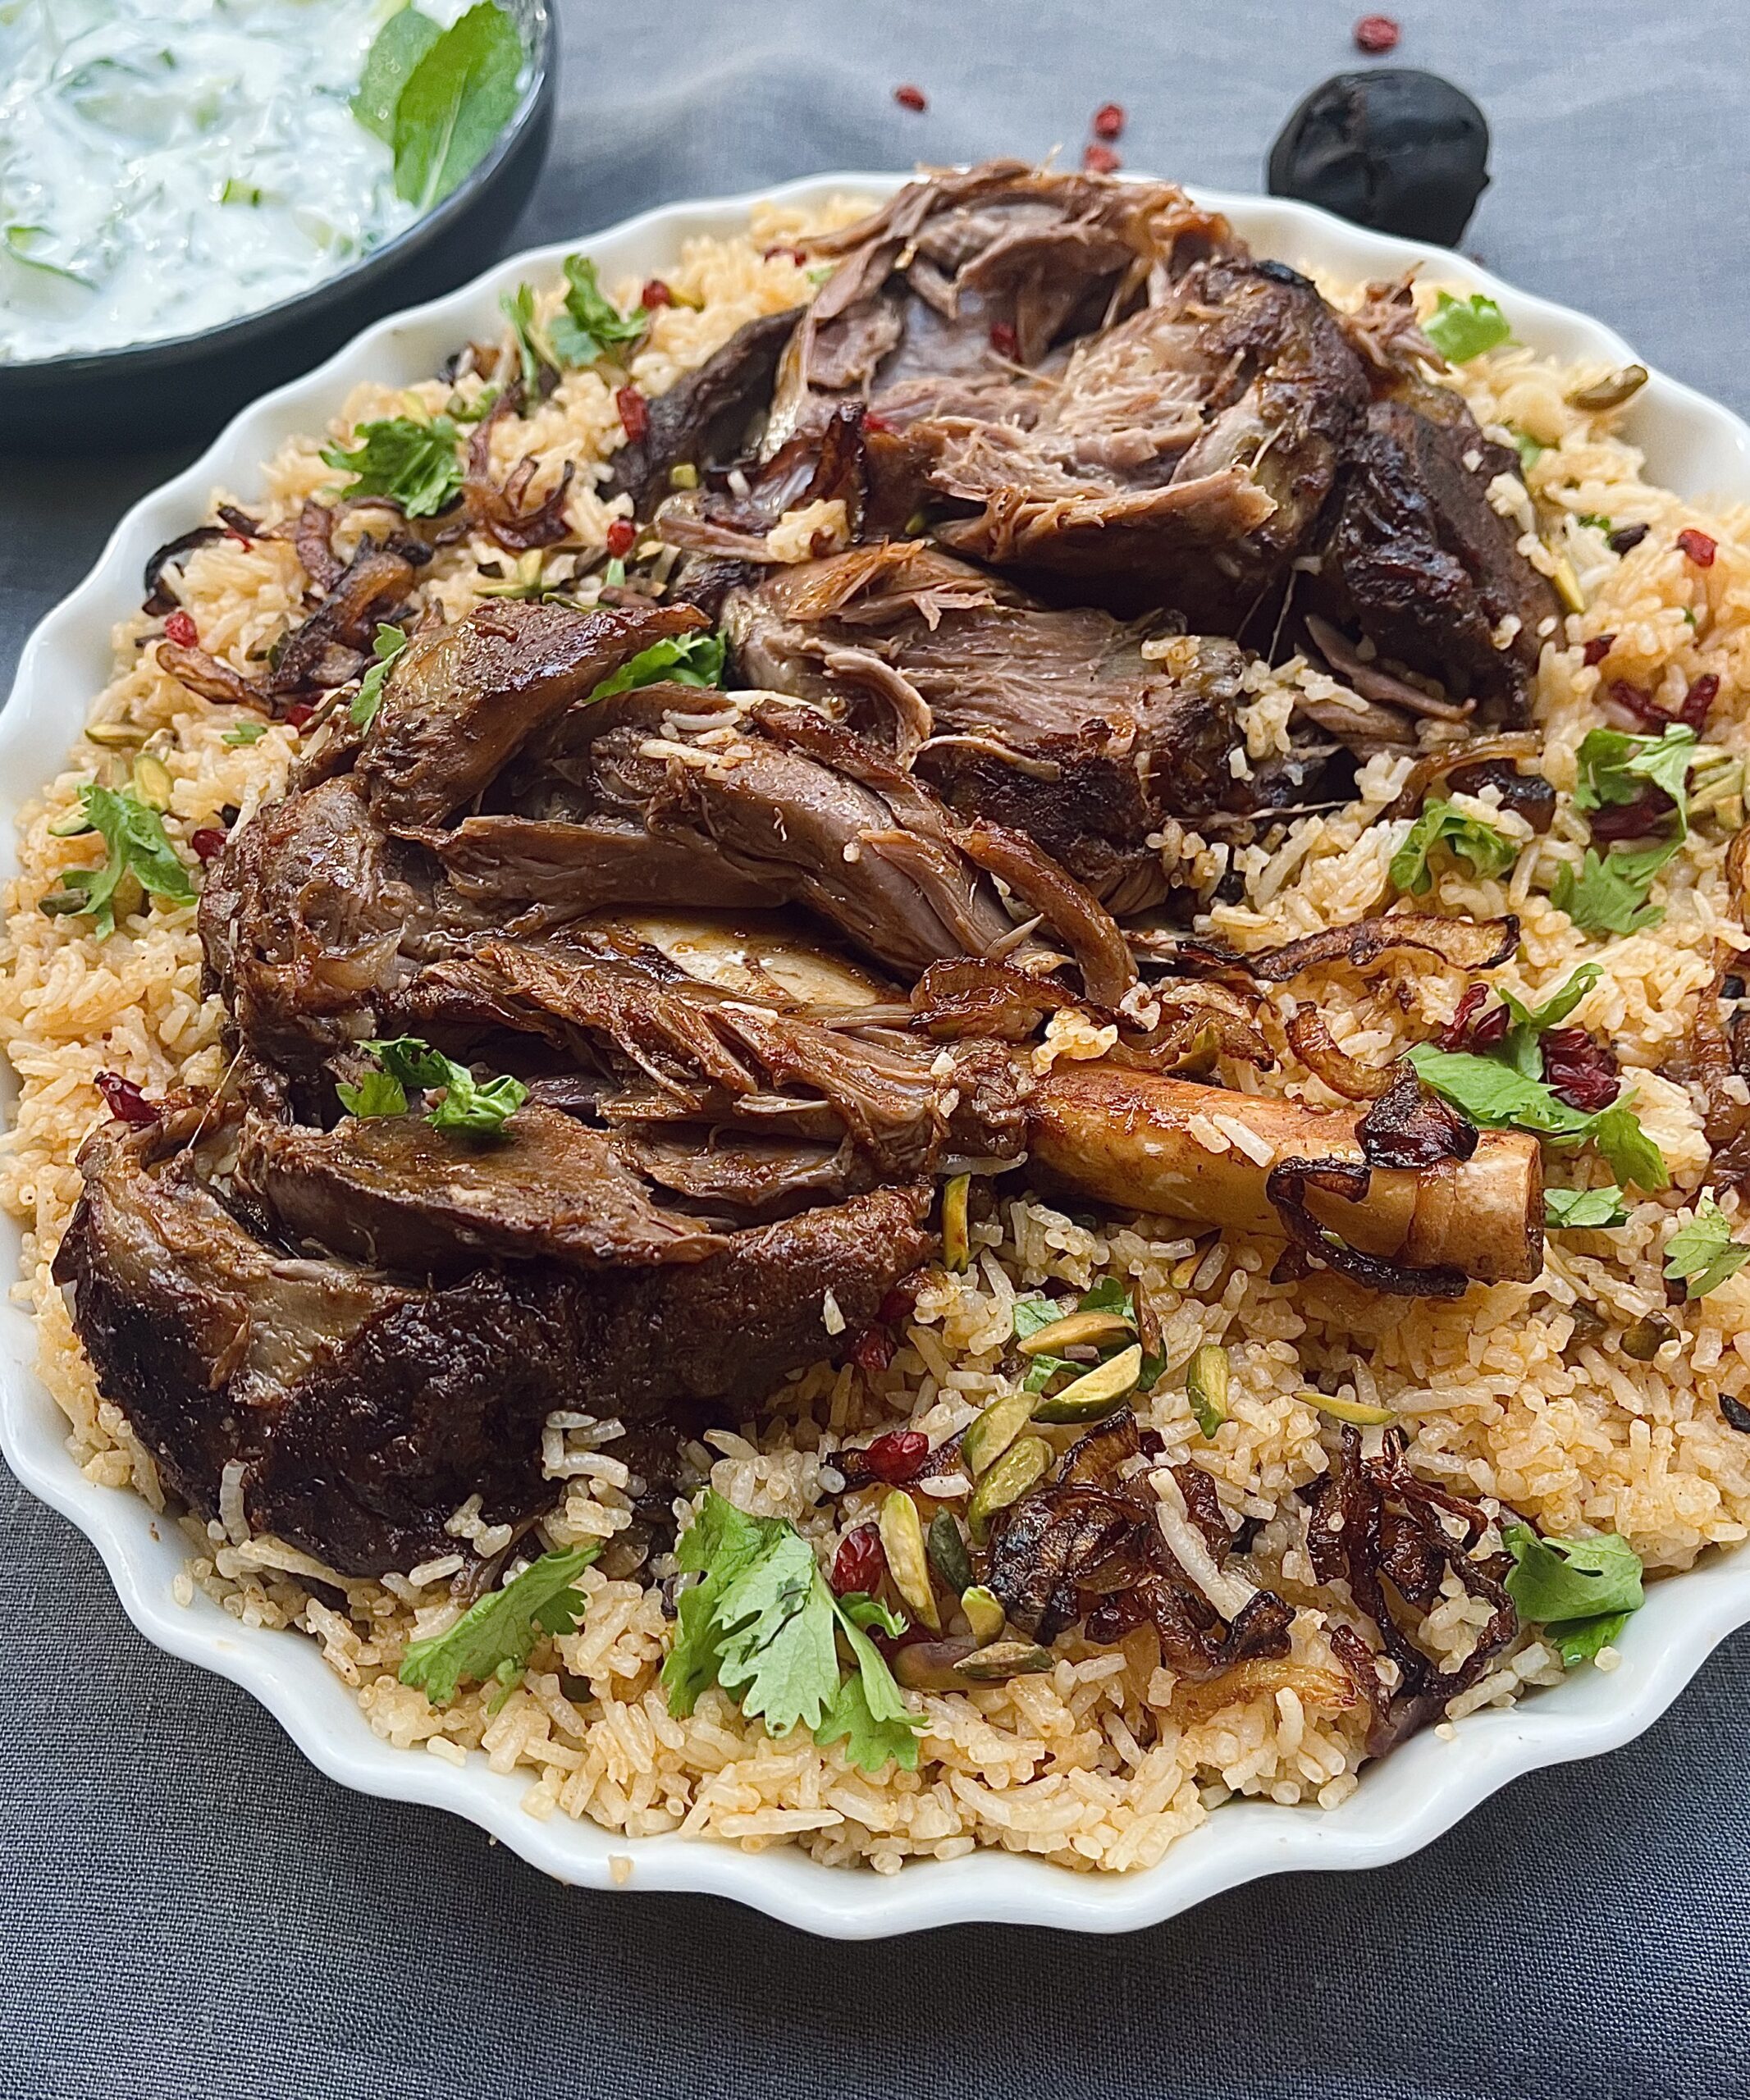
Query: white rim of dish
{"type": "Point", "coordinates": [1402, 1804]}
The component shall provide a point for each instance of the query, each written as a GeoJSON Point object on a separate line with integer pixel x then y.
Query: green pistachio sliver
{"type": "Point", "coordinates": [1611, 391]}
{"type": "Point", "coordinates": [1646, 1337]}
{"type": "Point", "coordinates": [115, 736]}
{"type": "Point", "coordinates": [63, 903]}
{"type": "Point", "coordinates": [1002, 1660]}
{"type": "Point", "coordinates": [1019, 1468]}
{"type": "Point", "coordinates": [74, 824]}
{"type": "Point", "coordinates": [153, 784]}
{"type": "Point", "coordinates": [903, 1540]}
{"type": "Point", "coordinates": [989, 1435]}
{"type": "Point", "coordinates": [1206, 1386]}
{"type": "Point", "coordinates": [985, 1614]}
{"type": "Point", "coordinates": [683, 475]}
{"type": "Point", "coordinates": [1097, 1392]}
{"type": "Point", "coordinates": [929, 1665]}
{"type": "Point", "coordinates": [957, 1237]}
{"type": "Point", "coordinates": [947, 1551]}
{"type": "Point", "coordinates": [1566, 585]}
{"type": "Point", "coordinates": [1355, 1411]}
{"type": "Point", "coordinates": [1074, 1331]}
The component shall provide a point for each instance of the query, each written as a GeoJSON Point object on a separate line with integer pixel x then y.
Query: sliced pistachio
{"type": "Point", "coordinates": [74, 824]}
{"type": "Point", "coordinates": [1646, 1337]}
{"type": "Point", "coordinates": [127, 897]}
{"type": "Point", "coordinates": [985, 1614]}
{"type": "Point", "coordinates": [683, 475]}
{"type": "Point", "coordinates": [63, 903]}
{"type": "Point", "coordinates": [1355, 1411]}
{"type": "Point", "coordinates": [1206, 1386]}
{"type": "Point", "coordinates": [1019, 1468]}
{"type": "Point", "coordinates": [153, 784]}
{"type": "Point", "coordinates": [947, 1551]}
{"type": "Point", "coordinates": [956, 1240]}
{"type": "Point", "coordinates": [1073, 1329]}
{"type": "Point", "coordinates": [1566, 585]}
{"type": "Point", "coordinates": [928, 1666]}
{"type": "Point", "coordinates": [1002, 1660]}
{"type": "Point", "coordinates": [1097, 1392]}
{"type": "Point", "coordinates": [903, 1540]}
{"type": "Point", "coordinates": [1611, 391]}
{"type": "Point", "coordinates": [1148, 1320]}
{"type": "Point", "coordinates": [990, 1434]}
{"type": "Point", "coordinates": [115, 736]}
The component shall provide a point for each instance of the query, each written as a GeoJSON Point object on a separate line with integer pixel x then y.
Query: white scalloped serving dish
{"type": "Point", "coordinates": [1691, 444]}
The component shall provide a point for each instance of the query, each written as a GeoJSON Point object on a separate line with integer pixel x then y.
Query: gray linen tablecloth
{"type": "Point", "coordinates": [186, 1909]}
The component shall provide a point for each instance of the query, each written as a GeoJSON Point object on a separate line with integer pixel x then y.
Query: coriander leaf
{"type": "Point", "coordinates": [1537, 1021]}
{"type": "Point", "coordinates": [1614, 767]}
{"type": "Point", "coordinates": [377, 1093]}
{"type": "Point", "coordinates": [1579, 1640]}
{"type": "Point", "coordinates": [686, 660]}
{"type": "Point", "coordinates": [413, 462]}
{"type": "Point", "coordinates": [455, 102]}
{"type": "Point", "coordinates": [495, 1637]}
{"type": "Point", "coordinates": [1528, 448]}
{"type": "Point", "coordinates": [1488, 852]}
{"type": "Point", "coordinates": [468, 1104]}
{"type": "Point", "coordinates": [1575, 1210]}
{"type": "Point", "coordinates": [867, 1611]}
{"type": "Point", "coordinates": [867, 1711]}
{"type": "Point", "coordinates": [1627, 1150]}
{"type": "Point", "coordinates": [134, 835]}
{"type": "Point", "coordinates": [722, 1543]}
{"type": "Point", "coordinates": [590, 324]}
{"type": "Point", "coordinates": [1461, 329]}
{"type": "Point", "coordinates": [1571, 1582]}
{"type": "Point", "coordinates": [399, 45]}
{"type": "Point", "coordinates": [389, 642]}
{"type": "Point", "coordinates": [535, 351]}
{"type": "Point", "coordinates": [245, 732]}
{"type": "Point", "coordinates": [1609, 895]}
{"type": "Point", "coordinates": [778, 1655]}
{"type": "Point", "coordinates": [1108, 1295]}
{"type": "Point", "coordinates": [1703, 1253]}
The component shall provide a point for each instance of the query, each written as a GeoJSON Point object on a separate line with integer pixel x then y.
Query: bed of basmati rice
{"type": "Point", "coordinates": [1105, 1760]}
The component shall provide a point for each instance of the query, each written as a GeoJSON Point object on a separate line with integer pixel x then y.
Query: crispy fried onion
{"type": "Point", "coordinates": [1310, 1242]}
{"type": "Point", "coordinates": [1718, 1050]}
{"type": "Point", "coordinates": [499, 511]}
{"type": "Point", "coordinates": [1465, 943]}
{"type": "Point", "coordinates": [1410, 1126]}
{"type": "Point", "coordinates": [212, 678]}
{"type": "Point", "coordinates": [969, 996]}
{"type": "Point", "coordinates": [732, 513]}
{"type": "Point", "coordinates": [1085, 1544]}
{"type": "Point", "coordinates": [1311, 1040]}
{"type": "Point", "coordinates": [158, 597]}
{"type": "Point", "coordinates": [1371, 1523]}
{"type": "Point", "coordinates": [1507, 748]}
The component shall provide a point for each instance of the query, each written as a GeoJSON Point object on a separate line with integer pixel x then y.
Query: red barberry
{"type": "Point", "coordinates": [897, 1304]}
{"type": "Point", "coordinates": [1377, 34]}
{"type": "Point", "coordinates": [1698, 700]}
{"type": "Point", "coordinates": [873, 1349]}
{"type": "Point", "coordinates": [1579, 1069]}
{"type": "Point", "coordinates": [1100, 160]}
{"type": "Point", "coordinates": [621, 534]}
{"type": "Point", "coordinates": [1471, 1029]}
{"type": "Point", "coordinates": [1697, 546]}
{"type": "Point", "coordinates": [909, 97]}
{"type": "Point", "coordinates": [298, 715]}
{"type": "Point", "coordinates": [797, 255]}
{"type": "Point", "coordinates": [1109, 120]}
{"type": "Point", "coordinates": [634, 412]}
{"type": "Point", "coordinates": [860, 1563]}
{"type": "Point", "coordinates": [1638, 702]}
{"type": "Point", "coordinates": [1003, 339]}
{"type": "Point", "coordinates": [1638, 818]}
{"type": "Point", "coordinates": [181, 628]}
{"type": "Point", "coordinates": [208, 842]}
{"type": "Point", "coordinates": [1598, 649]}
{"type": "Point", "coordinates": [895, 1458]}
{"type": "Point", "coordinates": [124, 1100]}
{"type": "Point", "coordinates": [656, 293]}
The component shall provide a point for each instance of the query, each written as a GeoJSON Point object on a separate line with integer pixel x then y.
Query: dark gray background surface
{"type": "Point", "coordinates": [186, 1909]}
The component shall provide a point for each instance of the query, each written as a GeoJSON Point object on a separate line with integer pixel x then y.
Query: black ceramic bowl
{"type": "Point", "coordinates": [185, 386]}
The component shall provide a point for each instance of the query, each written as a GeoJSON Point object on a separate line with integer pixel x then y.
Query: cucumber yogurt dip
{"type": "Point", "coordinates": [167, 166]}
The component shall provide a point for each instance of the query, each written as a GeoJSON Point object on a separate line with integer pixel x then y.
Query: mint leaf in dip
{"type": "Point", "coordinates": [401, 43]}
{"type": "Point", "coordinates": [456, 101]}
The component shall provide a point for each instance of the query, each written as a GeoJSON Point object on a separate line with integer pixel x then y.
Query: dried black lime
{"type": "Point", "coordinates": [1403, 151]}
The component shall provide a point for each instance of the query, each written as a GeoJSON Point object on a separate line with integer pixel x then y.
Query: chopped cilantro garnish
{"type": "Point", "coordinates": [1498, 1096]}
{"type": "Point", "coordinates": [467, 1104]}
{"type": "Point", "coordinates": [1576, 1210]}
{"type": "Point", "coordinates": [1580, 1590]}
{"type": "Point", "coordinates": [1615, 767]}
{"type": "Point", "coordinates": [1701, 1254]}
{"type": "Point", "coordinates": [400, 456]}
{"type": "Point", "coordinates": [683, 660]}
{"type": "Point", "coordinates": [1445, 824]}
{"type": "Point", "coordinates": [534, 351]}
{"type": "Point", "coordinates": [1609, 894]}
{"type": "Point", "coordinates": [135, 834]}
{"type": "Point", "coordinates": [1461, 329]}
{"type": "Point", "coordinates": [762, 1623]}
{"type": "Point", "coordinates": [495, 1637]}
{"type": "Point", "coordinates": [389, 642]}
{"type": "Point", "coordinates": [590, 324]}
{"type": "Point", "coordinates": [377, 1093]}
